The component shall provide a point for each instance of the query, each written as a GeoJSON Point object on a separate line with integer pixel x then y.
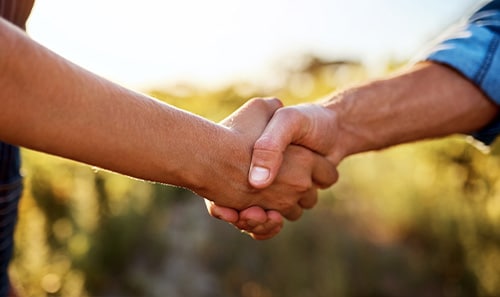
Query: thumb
{"type": "Point", "coordinates": [264, 167]}
{"type": "Point", "coordinates": [268, 150]}
{"type": "Point", "coordinates": [301, 124]}
{"type": "Point", "coordinates": [252, 119]}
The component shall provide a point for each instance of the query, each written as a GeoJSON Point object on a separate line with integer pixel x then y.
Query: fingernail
{"type": "Point", "coordinates": [259, 174]}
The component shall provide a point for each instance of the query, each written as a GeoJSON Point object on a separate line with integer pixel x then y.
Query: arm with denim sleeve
{"type": "Point", "coordinates": [474, 51]}
{"type": "Point", "coordinates": [456, 91]}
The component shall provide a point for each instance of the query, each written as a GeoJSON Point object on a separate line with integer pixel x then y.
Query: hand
{"type": "Point", "coordinates": [301, 174]}
{"type": "Point", "coordinates": [261, 224]}
{"type": "Point", "coordinates": [255, 221]}
{"type": "Point", "coordinates": [310, 125]}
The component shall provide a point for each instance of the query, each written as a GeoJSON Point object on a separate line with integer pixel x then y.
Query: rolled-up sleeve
{"type": "Point", "coordinates": [474, 51]}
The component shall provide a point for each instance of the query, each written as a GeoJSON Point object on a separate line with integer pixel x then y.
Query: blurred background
{"type": "Point", "coordinates": [418, 219]}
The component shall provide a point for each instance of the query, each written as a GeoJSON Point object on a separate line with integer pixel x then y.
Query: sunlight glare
{"type": "Point", "coordinates": [222, 41]}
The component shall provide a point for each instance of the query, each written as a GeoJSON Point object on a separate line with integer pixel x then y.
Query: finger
{"type": "Point", "coordinates": [274, 217]}
{"type": "Point", "coordinates": [296, 172]}
{"type": "Point", "coordinates": [293, 213]}
{"type": "Point", "coordinates": [243, 226]}
{"type": "Point", "coordinates": [268, 235]}
{"type": "Point", "coordinates": [324, 173]}
{"type": "Point", "coordinates": [264, 167]}
{"type": "Point", "coordinates": [310, 199]}
{"type": "Point", "coordinates": [270, 228]}
{"type": "Point", "coordinates": [274, 220]}
{"type": "Point", "coordinates": [223, 213]}
{"type": "Point", "coordinates": [253, 216]}
{"type": "Point", "coordinates": [283, 128]}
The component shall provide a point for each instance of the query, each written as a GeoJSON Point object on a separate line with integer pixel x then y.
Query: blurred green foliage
{"type": "Point", "coordinates": [419, 219]}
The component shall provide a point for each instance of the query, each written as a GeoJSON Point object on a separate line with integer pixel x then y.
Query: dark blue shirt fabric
{"type": "Point", "coordinates": [474, 50]}
{"type": "Point", "coordinates": [10, 192]}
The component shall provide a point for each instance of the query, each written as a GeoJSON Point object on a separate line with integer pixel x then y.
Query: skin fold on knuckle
{"type": "Point", "coordinates": [265, 105]}
{"type": "Point", "coordinates": [300, 184]}
{"type": "Point", "coordinates": [268, 143]}
{"type": "Point", "coordinates": [299, 122]}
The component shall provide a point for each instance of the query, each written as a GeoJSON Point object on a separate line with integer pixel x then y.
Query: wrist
{"type": "Point", "coordinates": [349, 134]}
{"type": "Point", "coordinates": [222, 169]}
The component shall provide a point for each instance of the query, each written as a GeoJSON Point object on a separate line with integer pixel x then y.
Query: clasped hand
{"type": "Point", "coordinates": [291, 159]}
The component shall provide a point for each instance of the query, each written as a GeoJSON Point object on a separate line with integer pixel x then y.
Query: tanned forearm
{"type": "Point", "coordinates": [51, 105]}
{"type": "Point", "coordinates": [427, 101]}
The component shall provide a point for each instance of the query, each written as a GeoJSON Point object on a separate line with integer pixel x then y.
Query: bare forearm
{"type": "Point", "coordinates": [427, 101]}
{"type": "Point", "coordinates": [54, 106]}
{"type": "Point", "coordinates": [51, 105]}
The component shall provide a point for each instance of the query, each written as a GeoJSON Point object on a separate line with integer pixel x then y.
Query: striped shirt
{"type": "Point", "coordinates": [15, 11]}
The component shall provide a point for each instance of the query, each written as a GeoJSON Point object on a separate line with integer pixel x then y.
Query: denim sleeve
{"type": "Point", "coordinates": [474, 51]}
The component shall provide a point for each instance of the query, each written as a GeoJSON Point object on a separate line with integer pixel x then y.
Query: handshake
{"type": "Point", "coordinates": [262, 163]}
{"type": "Point", "coordinates": [281, 157]}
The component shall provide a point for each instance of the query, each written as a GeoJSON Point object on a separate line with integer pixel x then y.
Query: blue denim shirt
{"type": "Point", "coordinates": [474, 51]}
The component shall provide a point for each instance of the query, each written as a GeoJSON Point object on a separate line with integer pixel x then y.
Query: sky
{"type": "Point", "coordinates": [147, 43]}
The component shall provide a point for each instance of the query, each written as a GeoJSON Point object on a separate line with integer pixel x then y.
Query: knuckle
{"type": "Point", "coordinates": [294, 119]}
{"type": "Point", "coordinates": [302, 185]}
{"type": "Point", "coordinates": [290, 113]}
{"type": "Point", "coordinates": [332, 177]}
{"type": "Point", "coordinates": [287, 205]}
{"type": "Point", "coordinates": [306, 185]}
{"type": "Point", "coordinates": [267, 143]}
{"type": "Point", "coordinates": [264, 102]}
{"type": "Point", "coordinates": [256, 103]}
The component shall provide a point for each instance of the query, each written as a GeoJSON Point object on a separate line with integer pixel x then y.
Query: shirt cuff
{"type": "Point", "coordinates": [474, 51]}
